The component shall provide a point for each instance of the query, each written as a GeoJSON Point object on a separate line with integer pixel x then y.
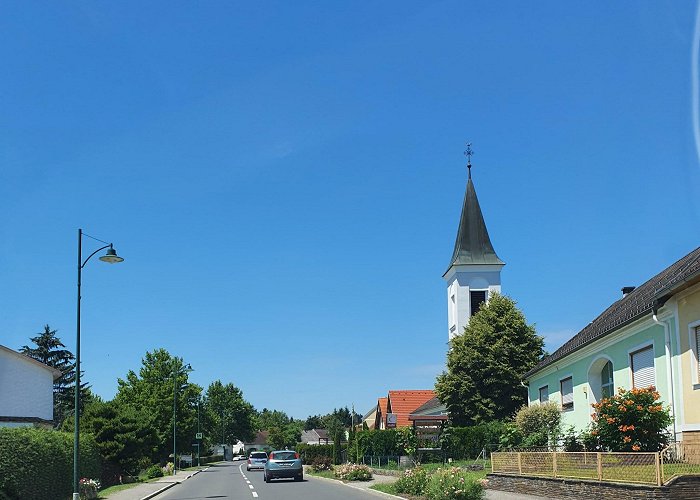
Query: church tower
{"type": "Point", "coordinates": [475, 269]}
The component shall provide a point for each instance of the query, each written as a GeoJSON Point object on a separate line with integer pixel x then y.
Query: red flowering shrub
{"type": "Point", "coordinates": [633, 420]}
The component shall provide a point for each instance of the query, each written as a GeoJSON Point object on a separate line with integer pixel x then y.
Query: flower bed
{"type": "Point", "coordinates": [353, 472]}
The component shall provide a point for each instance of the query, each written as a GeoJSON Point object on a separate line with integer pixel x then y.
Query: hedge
{"type": "Point", "coordinates": [309, 452]}
{"type": "Point", "coordinates": [210, 458]}
{"type": "Point", "coordinates": [468, 442]}
{"type": "Point", "coordinates": [38, 463]}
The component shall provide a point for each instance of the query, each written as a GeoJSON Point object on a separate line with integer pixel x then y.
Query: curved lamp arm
{"type": "Point", "coordinates": [93, 253]}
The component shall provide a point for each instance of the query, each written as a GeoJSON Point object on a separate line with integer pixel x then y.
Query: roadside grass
{"type": "Point", "coordinates": [104, 493]}
{"type": "Point", "coordinates": [322, 473]}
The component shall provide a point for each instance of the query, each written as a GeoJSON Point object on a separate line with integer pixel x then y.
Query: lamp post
{"type": "Point", "coordinates": [110, 257]}
{"type": "Point", "coordinates": [186, 368]}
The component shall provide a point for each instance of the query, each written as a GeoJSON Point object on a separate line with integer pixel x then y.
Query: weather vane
{"type": "Point", "coordinates": [468, 153]}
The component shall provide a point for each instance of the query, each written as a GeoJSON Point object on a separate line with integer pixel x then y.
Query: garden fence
{"type": "Point", "coordinates": [623, 467]}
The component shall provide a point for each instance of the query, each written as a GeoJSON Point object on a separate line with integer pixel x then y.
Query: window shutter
{"type": "Point", "coordinates": [643, 368]}
{"type": "Point", "coordinates": [567, 393]}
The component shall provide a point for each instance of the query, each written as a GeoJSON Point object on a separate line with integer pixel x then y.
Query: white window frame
{"type": "Point", "coordinates": [635, 350]}
{"type": "Point", "coordinates": [695, 356]}
{"type": "Point", "coordinates": [561, 393]}
{"type": "Point", "coordinates": [612, 379]}
{"type": "Point", "coordinates": [539, 393]}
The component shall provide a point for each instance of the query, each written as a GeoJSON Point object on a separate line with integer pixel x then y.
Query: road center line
{"type": "Point", "coordinates": [255, 495]}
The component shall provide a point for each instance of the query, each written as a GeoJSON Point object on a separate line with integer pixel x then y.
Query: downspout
{"type": "Point", "coordinates": [667, 334]}
{"type": "Point", "coordinates": [527, 389]}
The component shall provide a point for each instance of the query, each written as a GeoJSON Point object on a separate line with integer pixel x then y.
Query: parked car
{"type": "Point", "coordinates": [256, 460]}
{"type": "Point", "coordinates": [283, 463]}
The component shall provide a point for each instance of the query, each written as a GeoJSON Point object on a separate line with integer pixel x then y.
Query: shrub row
{"type": "Point", "coordinates": [210, 459]}
{"type": "Point", "coordinates": [309, 452]}
{"type": "Point", "coordinates": [38, 463]}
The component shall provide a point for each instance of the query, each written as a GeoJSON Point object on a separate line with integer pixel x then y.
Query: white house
{"type": "Point", "coordinates": [26, 390]}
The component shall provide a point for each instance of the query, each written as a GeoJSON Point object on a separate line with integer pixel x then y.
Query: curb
{"type": "Point", "coordinates": [170, 485]}
{"type": "Point", "coordinates": [349, 485]}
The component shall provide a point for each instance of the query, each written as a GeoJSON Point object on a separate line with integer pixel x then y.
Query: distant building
{"type": "Point", "coordinates": [474, 272]}
{"type": "Point", "coordinates": [316, 436]}
{"type": "Point", "coordinates": [393, 411]}
{"type": "Point", "coordinates": [26, 390]}
{"type": "Point", "coordinates": [259, 443]}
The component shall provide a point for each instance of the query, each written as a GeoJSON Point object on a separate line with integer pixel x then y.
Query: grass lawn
{"type": "Point", "coordinates": [322, 473]}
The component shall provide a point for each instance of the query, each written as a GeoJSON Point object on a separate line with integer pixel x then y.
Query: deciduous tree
{"type": "Point", "coordinates": [486, 364]}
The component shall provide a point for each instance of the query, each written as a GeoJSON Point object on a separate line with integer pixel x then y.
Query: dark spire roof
{"type": "Point", "coordinates": [473, 245]}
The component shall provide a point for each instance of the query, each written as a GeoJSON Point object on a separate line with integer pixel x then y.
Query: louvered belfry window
{"type": "Point", "coordinates": [567, 393]}
{"type": "Point", "coordinates": [643, 368]}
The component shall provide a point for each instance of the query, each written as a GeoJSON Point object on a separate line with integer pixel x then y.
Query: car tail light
{"type": "Point", "coordinates": [249, 460]}
{"type": "Point", "coordinates": [272, 455]}
{"type": "Point", "coordinates": [296, 455]}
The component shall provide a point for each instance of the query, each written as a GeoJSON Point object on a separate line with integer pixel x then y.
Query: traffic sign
{"type": "Point", "coordinates": [199, 435]}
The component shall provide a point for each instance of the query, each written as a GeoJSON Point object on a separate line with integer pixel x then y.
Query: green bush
{"type": "Point", "coordinates": [540, 424]}
{"type": "Point", "coordinates": [38, 463]}
{"type": "Point", "coordinates": [379, 442]}
{"type": "Point", "coordinates": [154, 471]}
{"type": "Point", "coordinates": [453, 484]}
{"type": "Point", "coordinates": [413, 481]}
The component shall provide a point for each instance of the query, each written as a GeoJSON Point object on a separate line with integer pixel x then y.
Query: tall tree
{"type": "Point", "coordinates": [51, 351]}
{"type": "Point", "coordinates": [485, 364]}
{"type": "Point", "coordinates": [230, 417]}
{"type": "Point", "coordinates": [150, 395]}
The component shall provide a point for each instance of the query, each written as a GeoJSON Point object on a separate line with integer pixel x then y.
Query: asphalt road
{"type": "Point", "coordinates": [232, 481]}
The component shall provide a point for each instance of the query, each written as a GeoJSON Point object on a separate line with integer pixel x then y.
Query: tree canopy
{"type": "Point", "coordinates": [150, 394]}
{"type": "Point", "coordinates": [231, 417]}
{"type": "Point", "coordinates": [486, 364]}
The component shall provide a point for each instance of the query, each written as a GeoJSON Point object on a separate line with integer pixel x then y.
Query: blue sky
{"type": "Point", "coordinates": [284, 179]}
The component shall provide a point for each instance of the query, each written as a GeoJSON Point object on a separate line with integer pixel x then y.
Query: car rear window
{"type": "Point", "coordinates": [258, 454]}
{"type": "Point", "coordinates": [284, 455]}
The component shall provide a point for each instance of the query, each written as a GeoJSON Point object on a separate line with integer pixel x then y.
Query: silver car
{"type": "Point", "coordinates": [283, 463]}
{"type": "Point", "coordinates": [256, 460]}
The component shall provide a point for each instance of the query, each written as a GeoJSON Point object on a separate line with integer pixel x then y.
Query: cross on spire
{"type": "Point", "coordinates": [468, 153]}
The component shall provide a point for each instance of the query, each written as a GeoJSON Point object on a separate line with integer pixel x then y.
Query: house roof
{"type": "Point", "coordinates": [403, 403]}
{"type": "Point", "coordinates": [56, 373]}
{"type": "Point", "coordinates": [636, 304]}
{"type": "Point", "coordinates": [382, 403]}
{"type": "Point", "coordinates": [473, 245]}
{"type": "Point", "coordinates": [431, 407]}
{"type": "Point", "coordinates": [260, 438]}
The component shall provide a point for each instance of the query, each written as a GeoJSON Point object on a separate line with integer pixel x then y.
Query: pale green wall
{"type": "Point", "coordinates": [577, 365]}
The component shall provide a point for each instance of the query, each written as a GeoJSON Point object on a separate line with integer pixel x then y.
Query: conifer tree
{"type": "Point", "coordinates": [52, 352]}
{"type": "Point", "coordinates": [485, 364]}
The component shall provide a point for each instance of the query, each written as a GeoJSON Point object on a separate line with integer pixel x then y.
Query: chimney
{"type": "Point", "coordinates": [626, 290]}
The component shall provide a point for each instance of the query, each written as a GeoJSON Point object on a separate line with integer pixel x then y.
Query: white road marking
{"type": "Point", "coordinates": [255, 495]}
{"type": "Point", "coordinates": [251, 486]}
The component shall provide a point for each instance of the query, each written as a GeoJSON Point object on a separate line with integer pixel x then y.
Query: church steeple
{"type": "Point", "coordinates": [473, 245]}
{"type": "Point", "coordinates": [475, 269]}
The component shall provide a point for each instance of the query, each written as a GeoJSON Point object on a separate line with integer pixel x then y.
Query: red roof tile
{"type": "Point", "coordinates": [403, 403]}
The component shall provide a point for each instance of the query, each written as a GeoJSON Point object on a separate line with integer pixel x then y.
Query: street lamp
{"type": "Point", "coordinates": [186, 368]}
{"type": "Point", "coordinates": [110, 257]}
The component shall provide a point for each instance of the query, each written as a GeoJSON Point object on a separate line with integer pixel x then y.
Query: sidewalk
{"type": "Point", "coordinates": [144, 491]}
